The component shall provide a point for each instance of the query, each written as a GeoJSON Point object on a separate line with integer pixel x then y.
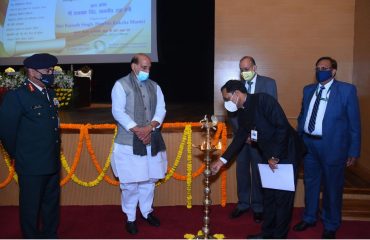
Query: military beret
{"type": "Point", "coordinates": [40, 61]}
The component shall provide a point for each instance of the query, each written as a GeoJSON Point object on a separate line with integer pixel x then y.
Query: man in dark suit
{"type": "Point", "coordinates": [30, 134]}
{"type": "Point", "coordinates": [330, 125]}
{"type": "Point", "coordinates": [262, 123]}
{"type": "Point", "coordinates": [248, 181]}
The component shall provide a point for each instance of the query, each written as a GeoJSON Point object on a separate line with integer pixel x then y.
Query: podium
{"type": "Point", "coordinates": [82, 92]}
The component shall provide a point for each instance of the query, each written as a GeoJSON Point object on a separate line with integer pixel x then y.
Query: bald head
{"type": "Point", "coordinates": [140, 62]}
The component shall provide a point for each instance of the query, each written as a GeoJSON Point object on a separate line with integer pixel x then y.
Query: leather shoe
{"type": "Point", "coordinates": [259, 236]}
{"type": "Point", "coordinates": [131, 227]}
{"type": "Point", "coordinates": [238, 212]}
{"type": "Point", "coordinates": [302, 225]}
{"type": "Point", "coordinates": [258, 216]}
{"type": "Point", "coordinates": [152, 220]}
{"type": "Point", "coordinates": [328, 234]}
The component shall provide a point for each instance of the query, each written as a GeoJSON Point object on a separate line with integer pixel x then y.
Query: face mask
{"type": "Point", "coordinates": [47, 79]}
{"type": "Point", "coordinates": [142, 76]}
{"type": "Point", "coordinates": [248, 75]}
{"type": "Point", "coordinates": [322, 76]}
{"type": "Point", "coordinates": [230, 105]}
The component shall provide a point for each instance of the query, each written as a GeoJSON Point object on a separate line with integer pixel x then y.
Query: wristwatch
{"type": "Point", "coordinates": [275, 159]}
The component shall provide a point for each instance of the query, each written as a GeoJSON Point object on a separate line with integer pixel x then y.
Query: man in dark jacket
{"type": "Point", "coordinates": [262, 122]}
{"type": "Point", "coordinates": [247, 175]}
{"type": "Point", "coordinates": [30, 134]}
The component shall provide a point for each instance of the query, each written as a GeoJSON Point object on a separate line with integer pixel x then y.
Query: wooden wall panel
{"type": "Point", "coordinates": [361, 77]}
{"type": "Point", "coordinates": [285, 37]}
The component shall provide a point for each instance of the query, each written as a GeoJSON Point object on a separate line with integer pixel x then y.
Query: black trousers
{"type": "Point", "coordinates": [39, 198]}
{"type": "Point", "coordinates": [278, 207]}
{"type": "Point", "coordinates": [250, 192]}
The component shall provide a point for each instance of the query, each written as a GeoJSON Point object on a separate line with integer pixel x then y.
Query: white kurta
{"type": "Point", "coordinates": [127, 166]}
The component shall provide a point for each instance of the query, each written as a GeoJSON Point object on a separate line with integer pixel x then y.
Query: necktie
{"type": "Point", "coordinates": [311, 124]}
{"type": "Point", "coordinates": [249, 88]}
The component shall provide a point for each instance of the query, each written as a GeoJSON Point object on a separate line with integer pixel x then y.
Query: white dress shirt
{"type": "Point", "coordinates": [119, 103]}
{"type": "Point", "coordinates": [321, 111]}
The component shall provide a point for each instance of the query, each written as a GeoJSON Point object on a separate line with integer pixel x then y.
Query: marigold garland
{"type": "Point", "coordinates": [84, 135]}
{"type": "Point", "coordinates": [172, 170]}
{"type": "Point", "coordinates": [189, 169]}
{"type": "Point", "coordinates": [10, 166]}
{"type": "Point", "coordinates": [77, 156]}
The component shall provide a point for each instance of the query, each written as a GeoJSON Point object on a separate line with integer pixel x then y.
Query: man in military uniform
{"type": "Point", "coordinates": [30, 134]}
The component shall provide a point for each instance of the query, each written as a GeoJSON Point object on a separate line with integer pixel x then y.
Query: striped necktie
{"type": "Point", "coordinates": [311, 124]}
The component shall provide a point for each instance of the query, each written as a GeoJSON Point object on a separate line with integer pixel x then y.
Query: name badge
{"type": "Point", "coordinates": [254, 135]}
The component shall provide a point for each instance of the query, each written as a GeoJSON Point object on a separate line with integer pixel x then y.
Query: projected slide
{"type": "Point", "coordinates": [73, 28]}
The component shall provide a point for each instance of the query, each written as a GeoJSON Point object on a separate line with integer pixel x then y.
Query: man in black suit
{"type": "Point", "coordinates": [262, 123]}
{"type": "Point", "coordinates": [247, 175]}
{"type": "Point", "coordinates": [30, 134]}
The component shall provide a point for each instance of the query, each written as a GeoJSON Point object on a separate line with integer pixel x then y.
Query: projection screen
{"type": "Point", "coordinates": [77, 31]}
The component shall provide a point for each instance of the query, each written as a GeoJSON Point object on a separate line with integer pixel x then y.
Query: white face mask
{"type": "Point", "coordinates": [230, 105]}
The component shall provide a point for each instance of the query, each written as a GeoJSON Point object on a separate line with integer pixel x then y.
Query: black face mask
{"type": "Point", "coordinates": [47, 79]}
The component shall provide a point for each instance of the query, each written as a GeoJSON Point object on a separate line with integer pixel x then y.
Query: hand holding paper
{"type": "Point", "coordinates": [281, 178]}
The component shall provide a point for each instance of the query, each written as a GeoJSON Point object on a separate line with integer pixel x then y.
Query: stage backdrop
{"type": "Point", "coordinates": [286, 37]}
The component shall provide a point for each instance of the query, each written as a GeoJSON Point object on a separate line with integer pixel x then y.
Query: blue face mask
{"type": "Point", "coordinates": [142, 76]}
{"type": "Point", "coordinates": [322, 76]}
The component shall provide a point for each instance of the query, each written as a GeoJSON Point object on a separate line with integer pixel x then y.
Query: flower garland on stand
{"type": "Point", "coordinates": [84, 136]}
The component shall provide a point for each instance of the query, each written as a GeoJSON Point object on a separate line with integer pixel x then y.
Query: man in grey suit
{"type": "Point", "coordinates": [247, 174]}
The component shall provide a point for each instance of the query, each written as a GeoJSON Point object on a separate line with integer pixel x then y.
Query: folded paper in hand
{"type": "Point", "coordinates": [282, 178]}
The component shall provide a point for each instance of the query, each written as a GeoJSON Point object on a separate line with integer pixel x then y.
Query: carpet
{"type": "Point", "coordinates": [109, 221]}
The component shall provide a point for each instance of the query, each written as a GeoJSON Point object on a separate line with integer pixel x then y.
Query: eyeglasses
{"type": "Point", "coordinates": [323, 69]}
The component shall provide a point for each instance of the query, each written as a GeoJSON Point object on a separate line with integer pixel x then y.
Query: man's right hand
{"type": "Point", "coordinates": [142, 132]}
{"type": "Point", "coordinates": [216, 166]}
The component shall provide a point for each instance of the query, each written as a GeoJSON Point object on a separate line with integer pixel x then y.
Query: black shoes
{"type": "Point", "coordinates": [302, 225]}
{"type": "Point", "coordinates": [237, 212]}
{"type": "Point", "coordinates": [131, 227]}
{"type": "Point", "coordinates": [258, 217]}
{"type": "Point", "coordinates": [152, 220]}
{"type": "Point", "coordinates": [328, 234]}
